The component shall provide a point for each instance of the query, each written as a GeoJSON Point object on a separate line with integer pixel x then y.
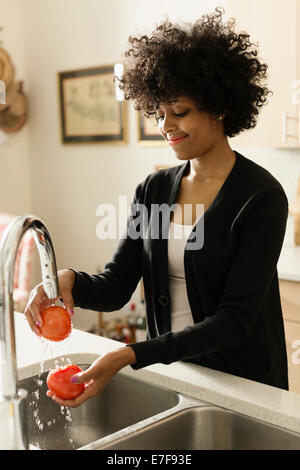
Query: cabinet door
{"type": "Point", "coordinates": [273, 25]}
{"type": "Point", "coordinates": [292, 338]}
{"type": "Point", "coordinates": [290, 301]}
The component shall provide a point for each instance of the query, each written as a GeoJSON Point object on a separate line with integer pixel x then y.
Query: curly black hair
{"type": "Point", "coordinates": [206, 61]}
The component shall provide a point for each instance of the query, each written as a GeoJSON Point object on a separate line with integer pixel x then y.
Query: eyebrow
{"type": "Point", "coordinates": [178, 101]}
{"type": "Point", "coordinates": [175, 101]}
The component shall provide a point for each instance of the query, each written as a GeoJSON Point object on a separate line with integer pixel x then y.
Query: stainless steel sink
{"type": "Point", "coordinates": [124, 402]}
{"type": "Point", "coordinates": [208, 428]}
{"type": "Point", "coordinates": [131, 414]}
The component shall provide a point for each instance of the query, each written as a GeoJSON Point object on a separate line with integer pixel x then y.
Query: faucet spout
{"type": "Point", "coordinates": [8, 251]}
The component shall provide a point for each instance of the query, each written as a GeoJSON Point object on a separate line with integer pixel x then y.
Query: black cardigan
{"type": "Point", "coordinates": [231, 281]}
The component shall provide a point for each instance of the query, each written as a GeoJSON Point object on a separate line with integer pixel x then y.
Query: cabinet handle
{"type": "Point", "coordinates": [284, 134]}
{"type": "Point", "coordinates": [283, 126]}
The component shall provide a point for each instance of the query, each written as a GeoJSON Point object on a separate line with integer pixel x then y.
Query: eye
{"type": "Point", "coordinates": [158, 120]}
{"type": "Point", "coordinates": [180, 114]}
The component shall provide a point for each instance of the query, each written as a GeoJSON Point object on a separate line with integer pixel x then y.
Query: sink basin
{"type": "Point", "coordinates": [124, 402]}
{"type": "Point", "coordinates": [208, 428]}
{"type": "Point", "coordinates": [131, 414]}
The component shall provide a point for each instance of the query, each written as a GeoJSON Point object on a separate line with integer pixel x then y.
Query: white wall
{"type": "Point", "coordinates": [15, 187]}
{"type": "Point", "coordinates": [64, 184]}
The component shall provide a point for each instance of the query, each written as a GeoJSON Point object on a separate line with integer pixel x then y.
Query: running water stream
{"type": "Point", "coordinates": [50, 349]}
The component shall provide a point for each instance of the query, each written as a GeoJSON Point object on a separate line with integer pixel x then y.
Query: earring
{"type": "Point", "coordinates": [220, 118]}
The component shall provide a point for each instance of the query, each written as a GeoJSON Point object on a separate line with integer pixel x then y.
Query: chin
{"type": "Point", "coordinates": [181, 156]}
{"type": "Point", "coordinates": [184, 158]}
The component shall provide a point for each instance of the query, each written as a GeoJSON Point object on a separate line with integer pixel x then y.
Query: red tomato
{"type": "Point", "coordinates": [59, 382]}
{"type": "Point", "coordinates": [57, 323]}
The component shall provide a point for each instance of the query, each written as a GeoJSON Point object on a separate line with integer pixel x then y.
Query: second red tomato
{"type": "Point", "coordinates": [59, 382]}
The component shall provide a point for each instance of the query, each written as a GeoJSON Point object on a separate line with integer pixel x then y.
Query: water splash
{"type": "Point", "coordinates": [48, 351]}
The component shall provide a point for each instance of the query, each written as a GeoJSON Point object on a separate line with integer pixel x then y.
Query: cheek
{"type": "Point", "coordinates": [200, 133]}
{"type": "Point", "coordinates": [200, 139]}
{"type": "Point", "coordinates": [159, 128]}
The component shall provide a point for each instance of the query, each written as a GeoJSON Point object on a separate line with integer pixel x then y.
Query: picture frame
{"type": "Point", "coordinates": [89, 109]}
{"type": "Point", "coordinates": [148, 131]}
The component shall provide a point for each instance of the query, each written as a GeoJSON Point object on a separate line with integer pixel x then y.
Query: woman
{"type": "Point", "coordinates": [212, 299]}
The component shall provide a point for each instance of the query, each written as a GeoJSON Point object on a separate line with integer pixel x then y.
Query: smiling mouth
{"type": "Point", "coordinates": [173, 142]}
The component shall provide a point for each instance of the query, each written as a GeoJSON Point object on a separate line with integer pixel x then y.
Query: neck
{"type": "Point", "coordinates": [214, 164]}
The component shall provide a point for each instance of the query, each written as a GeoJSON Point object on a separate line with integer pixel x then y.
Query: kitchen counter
{"type": "Point", "coordinates": [259, 401]}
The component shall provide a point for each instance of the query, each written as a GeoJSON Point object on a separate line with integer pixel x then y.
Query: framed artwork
{"type": "Point", "coordinates": [148, 131]}
{"type": "Point", "coordinates": [89, 109]}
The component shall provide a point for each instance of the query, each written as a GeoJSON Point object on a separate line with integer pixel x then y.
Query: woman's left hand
{"type": "Point", "coordinates": [98, 375]}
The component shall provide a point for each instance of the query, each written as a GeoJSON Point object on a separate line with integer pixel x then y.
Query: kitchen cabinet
{"type": "Point", "coordinates": [290, 301]}
{"type": "Point", "coordinates": [274, 25]}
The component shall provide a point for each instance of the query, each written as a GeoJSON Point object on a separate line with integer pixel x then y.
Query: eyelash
{"type": "Point", "coordinates": [177, 115]}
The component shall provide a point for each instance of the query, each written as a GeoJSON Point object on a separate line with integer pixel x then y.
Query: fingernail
{"type": "Point", "coordinates": [74, 379]}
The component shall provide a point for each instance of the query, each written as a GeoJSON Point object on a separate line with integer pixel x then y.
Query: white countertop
{"type": "Point", "coordinates": [260, 401]}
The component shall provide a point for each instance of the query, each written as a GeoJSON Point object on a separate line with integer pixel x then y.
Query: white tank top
{"type": "Point", "coordinates": [181, 315]}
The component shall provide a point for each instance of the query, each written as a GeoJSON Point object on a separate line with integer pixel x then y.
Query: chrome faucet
{"type": "Point", "coordinates": [13, 434]}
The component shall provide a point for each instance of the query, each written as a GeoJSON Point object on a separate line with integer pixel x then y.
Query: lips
{"type": "Point", "coordinates": [176, 140]}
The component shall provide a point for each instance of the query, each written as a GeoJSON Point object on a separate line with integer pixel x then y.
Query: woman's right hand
{"type": "Point", "coordinates": [38, 299]}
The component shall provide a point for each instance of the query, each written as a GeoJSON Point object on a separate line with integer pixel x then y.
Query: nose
{"type": "Point", "coordinates": [167, 124]}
